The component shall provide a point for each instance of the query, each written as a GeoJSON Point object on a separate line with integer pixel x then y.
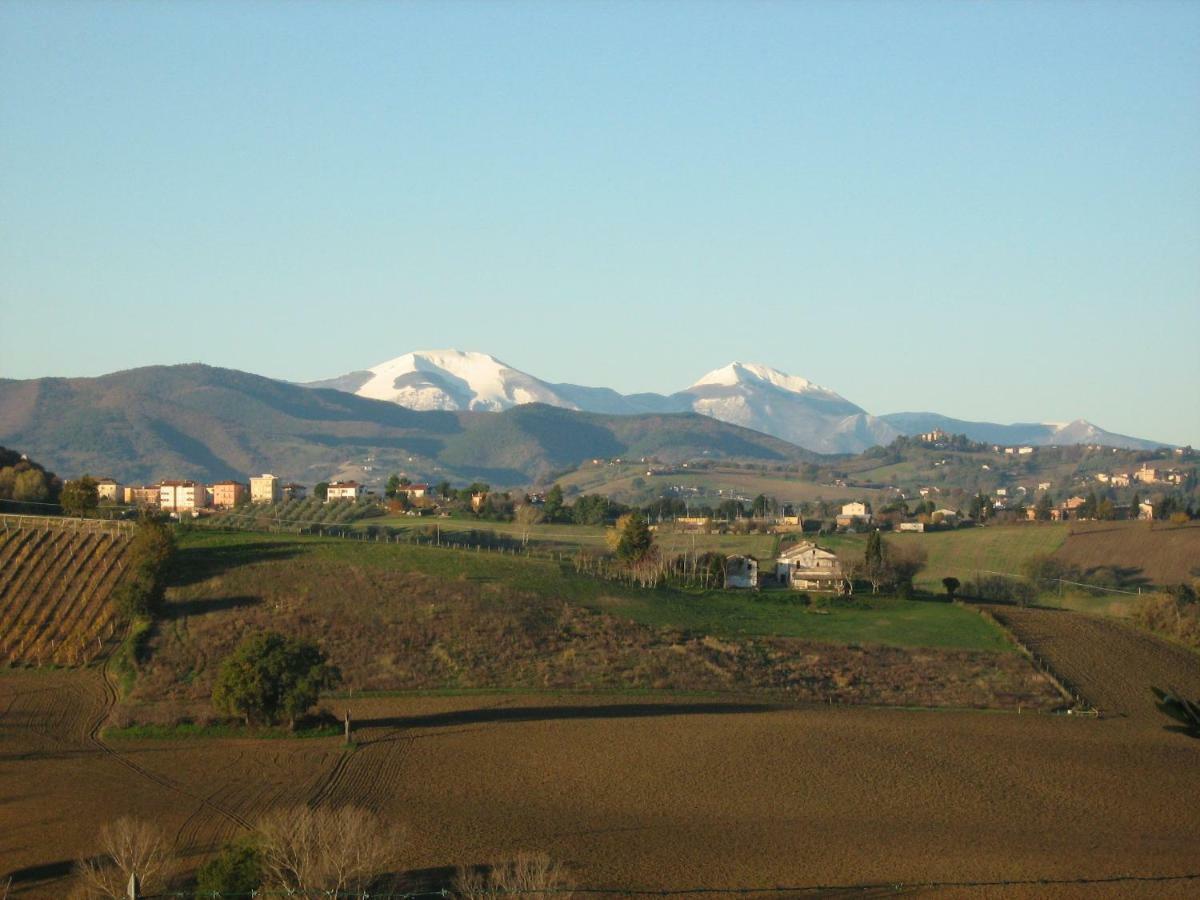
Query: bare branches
{"type": "Point", "coordinates": [321, 849]}
{"type": "Point", "coordinates": [126, 846]}
{"type": "Point", "coordinates": [530, 875]}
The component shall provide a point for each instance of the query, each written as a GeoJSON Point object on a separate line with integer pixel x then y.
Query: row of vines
{"type": "Point", "coordinates": [55, 585]}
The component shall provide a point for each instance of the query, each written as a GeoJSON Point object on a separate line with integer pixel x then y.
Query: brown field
{"type": "Point", "coordinates": [54, 589]}
{"type": "Point", "coordinates": [667, 792]}
{"type": "Point", "coordinates": [1157, 552]}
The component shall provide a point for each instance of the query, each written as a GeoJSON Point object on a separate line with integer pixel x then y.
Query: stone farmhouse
{"type": "Point", "coordinates": [741, 572]}
{"type": "Point", "coordinates": [807, 567]}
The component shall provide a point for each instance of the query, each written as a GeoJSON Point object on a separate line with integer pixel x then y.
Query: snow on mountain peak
{"type": "Point", "coordinates": [454, 379]}
{"type": "Point", "coordinates": [742, 373]}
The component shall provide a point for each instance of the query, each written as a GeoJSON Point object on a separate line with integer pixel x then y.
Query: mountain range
{"type": "Point", "coordinates": [751, 395]}
{"type": "Point", "coordinates": [196, 421]}
{"type": "Point", "coordinates": [444, 414]}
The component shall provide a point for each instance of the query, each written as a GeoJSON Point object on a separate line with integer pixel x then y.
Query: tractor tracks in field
{"type": "Point", "coordinates": [109, 701]}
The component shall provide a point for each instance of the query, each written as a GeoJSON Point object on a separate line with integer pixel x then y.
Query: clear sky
{"type": "Point", "coordinates": [989, 210]}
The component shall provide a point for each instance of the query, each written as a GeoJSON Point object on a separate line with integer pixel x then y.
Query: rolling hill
{"type": "Point", "coordinates": [196, 421]}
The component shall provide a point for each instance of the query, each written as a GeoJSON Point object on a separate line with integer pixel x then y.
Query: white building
{"type": "Point", "coordinates": [109, 489]}
{"type": "Point", "coordinates": [265, 489]}
{"type": "Point", "coordinates": [344, 490]}
{"type": "Point", "coordinates": [178, 496]}
{"type": "Point", "coordinates": [741, 572]}
{"type": "Point", "coordinates": [807, 567]}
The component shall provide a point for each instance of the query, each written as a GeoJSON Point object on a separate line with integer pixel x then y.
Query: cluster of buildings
{"type": "Point", "coordinates": [1147, 474]}
{"type": "Point", "coordinates": [187, 496]}
{"type": "Point", "coordinates": [801, 567]}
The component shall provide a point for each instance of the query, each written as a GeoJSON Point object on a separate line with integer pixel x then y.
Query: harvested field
{"type": "Point", "coordinates": [1152, 553]}
{"type": "Point", "coordinates": [666, 792]}
{"type": "Point", "coordinates": [1111, 663]}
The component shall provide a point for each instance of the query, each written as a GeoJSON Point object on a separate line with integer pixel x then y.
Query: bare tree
{"type": "Point", "coordinates": [527, 515]}
{"type": "Point", "coordinates": [127, 847]}
{"type": "Point", "coordinates": [337, 850]}
{"type": "Point", "coordinates": [531, 875]}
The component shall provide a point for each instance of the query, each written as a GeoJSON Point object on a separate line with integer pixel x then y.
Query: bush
{"type": "Point", "coordinates": [236, 870]}
{"type": "Point", "coordinates": [1174, 616]}
{"type": "Point", "coordinates": [997, 588]}
{"type": "Point", "coordinates": [269, 676]}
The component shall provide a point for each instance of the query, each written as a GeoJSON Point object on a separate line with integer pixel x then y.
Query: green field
{"type": "Point", "coordinates": [570, 538]}
{"type": "Point", "coordinates": [720, 613]}
{"type": "Point", "coordinates": [967, 552]}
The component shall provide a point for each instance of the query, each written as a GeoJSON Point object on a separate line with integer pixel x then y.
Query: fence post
{"type": "Point", "coordinates": [132, 890]}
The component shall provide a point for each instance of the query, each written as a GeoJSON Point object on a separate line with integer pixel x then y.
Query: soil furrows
{"type": "Point", "coordinates": [1111, 663]}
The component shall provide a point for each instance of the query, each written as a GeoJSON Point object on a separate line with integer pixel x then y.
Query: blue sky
{"type": "Point", "coordinates": [990, 210]}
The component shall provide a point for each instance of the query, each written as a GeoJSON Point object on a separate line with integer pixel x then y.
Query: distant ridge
{"type": "Point", "coordinates": [748, 394]}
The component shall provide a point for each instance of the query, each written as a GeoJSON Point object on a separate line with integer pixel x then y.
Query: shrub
{"type": "Point", "coordinates": [997, 588]}
{"type": "Point", "coordinates": [531, 875]}
{"type": "Point", "coordinates": [236, 870]}
{"type": "Point", "coordinates": [326, 850]}
{"type": "Point", "coordinates": [1174, 616]}
{"type": "Point", "coordinates": [126, 846]}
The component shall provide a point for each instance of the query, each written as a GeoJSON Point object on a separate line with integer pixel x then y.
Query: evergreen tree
{"type": "Point", "coordinates": [636, 540]}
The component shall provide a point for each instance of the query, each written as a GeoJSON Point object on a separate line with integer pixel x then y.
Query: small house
{"type": "Point", "coordinates": [741, 572]}
{"type": "Point", "coordinates": [344, 490]}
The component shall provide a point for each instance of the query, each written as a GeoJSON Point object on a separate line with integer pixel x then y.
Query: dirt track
{"type": "Point", "coordinates": [664, 793]}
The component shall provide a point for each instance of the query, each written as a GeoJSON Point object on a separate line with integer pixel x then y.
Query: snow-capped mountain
{"type": "Point", "coordinates": [448, 379]}
{"type": "Point", "coordinates": [795, 409]}
{"type": "Point", "coordinates": [748, 394]}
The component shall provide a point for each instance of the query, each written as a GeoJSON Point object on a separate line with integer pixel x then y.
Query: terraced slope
{"type": "Point", "coordinates": [55, 585]}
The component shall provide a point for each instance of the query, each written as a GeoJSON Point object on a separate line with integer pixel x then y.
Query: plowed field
{"type": "Point", "coordinates": [668, 792]}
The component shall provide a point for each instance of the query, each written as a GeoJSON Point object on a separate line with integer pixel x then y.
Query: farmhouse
{"type": "Point", "coordinates": [853, 514]}
{"type": "Point", "coordinates": [108, 489]}
{"type": "Point", "coordinates": [911, 526]}
{"type": "Point", "coordinates": [413, 491]}
{"type": "Point", "coordinates": [741, 572]}
{"type": "Point", "coordinates": [807, 567]}
{"type": "Point", "coordinates": [265, 489]}
{"type": "Point", "coordinates": [344, 490]}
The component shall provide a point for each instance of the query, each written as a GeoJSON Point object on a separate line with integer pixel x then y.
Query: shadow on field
{"type": "Point", "coordinates": [556, 713]}
{"type": "Point", "coordinates": [43, 872]}
{"type": "Point", "coordinates": [200, 607]}
{"type": "Point", "coordinates": [194, 564]}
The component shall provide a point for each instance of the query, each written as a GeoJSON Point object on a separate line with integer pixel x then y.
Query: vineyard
{"type": "Point", "coordinates": [297, 516]}
{"type": "Point", "coordinates": [56, 576]}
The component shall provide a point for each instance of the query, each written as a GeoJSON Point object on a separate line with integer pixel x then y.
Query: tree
{"type": "Point", "coordinates": [875, 561]}
{"type": "Point", "coordinates": [526, 516]}
{"type": "Point", "coordinates": [140, 593]}
{"type": "Point", "coordinates": [326, 852]}
{"type": "Point", "coordinates": [269, 676]}
{"type": "Point", "coordinates": [80, 497]}
{"type": "Point", "coordinates": [128, 846]}
{"type": "Point", "coordinates": [321, 490]}
{"type": "Point", "coordinates": [392, 486]}
{"type": "Point", "coordinates": [237, 869]}
{"type": "Point", "coordinates": [633, 537]}
{"type": "Point", "coordinates": [553, 507]}
{"type": "Point", "coordinates": [29, 486]}
{"type": "Point", "coordinates": [951, 584]}
{"type": "Point", "coordinates": [1042, 509]}
{"type": "Point", "coordinates": [761, 505]}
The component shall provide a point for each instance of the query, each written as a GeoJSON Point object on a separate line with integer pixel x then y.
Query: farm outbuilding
{"type": "Point", "coordinates": [741, 572]}
{"type": "Point", "coordinates": [807, 567]}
